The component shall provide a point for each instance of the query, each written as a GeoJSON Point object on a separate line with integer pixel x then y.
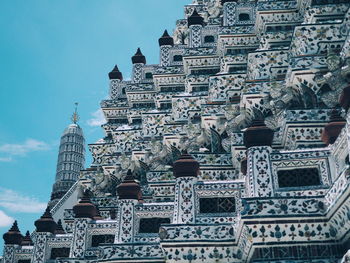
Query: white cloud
{"type": "Point", "coordinates": [5, 159]}
{"type": "Point", "coordinates": [16, 202]}
{"type": "Point", "coordinates": [5, 220]}
{"type": "Point", "coordinates": [97, 119]}
{"type": "Point", "coordinates": [30, 145]}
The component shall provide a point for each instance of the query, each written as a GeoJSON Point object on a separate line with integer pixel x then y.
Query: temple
{"type": "Point", "coordinates": [234, 148]}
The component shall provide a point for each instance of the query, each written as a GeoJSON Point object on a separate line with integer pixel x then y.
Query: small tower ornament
{"type": "Point", "coordinates": [75, 117]}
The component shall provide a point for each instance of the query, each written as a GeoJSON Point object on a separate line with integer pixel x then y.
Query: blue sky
{"type": "Point", "coordinates": [52, 54]}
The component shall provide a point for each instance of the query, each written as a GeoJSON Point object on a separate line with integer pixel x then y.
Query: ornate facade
{"type": "Point", "coordinates": [234, 148]}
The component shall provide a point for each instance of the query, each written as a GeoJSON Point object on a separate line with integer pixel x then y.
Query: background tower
{"type": "Point", "coordinates": [71, 159]}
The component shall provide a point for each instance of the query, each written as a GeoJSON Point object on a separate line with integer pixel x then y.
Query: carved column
{"type": "Point", "coordinates": [195, 24]}
{"type": "Point", "coordinates": [184, 209]}
{"type": "Point", "coordinates": [9, 253]}
{"type": "Point", "coordinates": [129, 192]}
{"type": "Point", "coordinates": [13, 239]}
{"type": "Point", "coordinates": [40, 247]}
{"type": "Point", "coordinates": [45, 227]}
{"type": "Point", "coordinates": [195, 36]}
{"type": "Point", "coordinates": [138, 61]}
{"type": "Point", "coordinates": [258, 140]}
{"type": "Point", "coordinates": [186, 170]}
{"type": "Point", "coordinates": [259, 174]}
{"type": "Point", "coordinates": [78, 246]}
{"type": "Point", "coordinates": [165, 44]}
{"type": "Point", "coordinates": [115, 84]}
{"type": "Point", "coordinates": [165, 56]}
{"type": "Point", "coordinates": [125, 221]}
{"type": "Point", "coordinates": [229, 13]}
{"type": "Point", "coordinates": [84, 212]}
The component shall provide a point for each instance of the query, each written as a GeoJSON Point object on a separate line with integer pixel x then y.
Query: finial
{"type": "Point", "coordinates": [129, 188]}
{"type": "Point", "coordinates": [138, 52]}
{"type": "Point", "coordinates": [59, 229]}
{"type": "Point", "coordinates": [46, 223]}
{"type": "Point", "coordinates": [138, 57]}
{"type": "Point", "coordinates": [75, 117]}
{"type": "Point", "coordinates": [85, 208]}
{"type": "Point", "coordinates": [13, 236]}
{"type": "Point", "coordinates": [334, 127]}
{"type": "Point", "coordinates": [165, 34]}
{"type": "Point", "coordinates": [27, 241]}
{"type": "Point", "coordinates": [185, 166]}
{"type": "Point", "coordinates": [195, 19]}
{"type": "Point", "coordinates": [258, 134]}
{"type": "Point", "coordinates": [115, 74]}
{"type": "Point", "coordinates": [166, 40]}
{"type": "Point", "coordinates": [14, 227]}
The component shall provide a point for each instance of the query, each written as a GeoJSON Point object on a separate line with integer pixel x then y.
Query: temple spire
{"type": "Point", "coordinates": [71, 159]}
{"type": "Point", "coordinates": [75, 117]}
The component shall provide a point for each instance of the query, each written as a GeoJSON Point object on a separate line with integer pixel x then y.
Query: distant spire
{"type": "Point", "coordinates": [72, 143]}
{"type": "Point", "coordinates": [75, 117]}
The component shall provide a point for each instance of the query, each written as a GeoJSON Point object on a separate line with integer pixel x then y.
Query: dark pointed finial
{"type": "Point", "coordinates": [332, 130]}
{"type": "Point", "coordinates": [46, 223]}
{"type": "Point", "coordinates": [138, 52]}
{"type": "Point", "coordinates": [258, 134]}
{"type": "Point", "coordinates": [129, 173]}
{"type": "Point", "coordinates": [75, 117]}
{"type": "Point", "coordinates": [14, 227]}
{"type": "Point", "coordinates": [165, 34]}
{"type": "Point", "coordinates": [47, 213]}
{"type": "Point", "coordinates": [129, 176]}
{"type": "Point", "coordinates": [86, 196]}
{"type": "Point", "coordinates": [27, 240]}
{"type": "Point", "coordinates": [115, 73]}
{"type": "Point", "coordinates": [138, 57]}
{"type": "Point", "coordinates": [195, 13]}
{"type": "Point", "coordinates": [98, 214]}
{"type": "Point", "coordinates": [59, 229]}
{"type": "Point", "coordinates": [166, 40]}
{"type": "Point", "coordinates": [195, 19]}
{"type": "Point", "coordinates": [85, 208]}
{"type": "Point", "coordinates": [13, 236]}
{"type": "Point", "coordinates": [344, 99]}
{"type": "Point", "coordinates": [185, 166]}
{"type": "Point", "coordinates": [129, 188]}
{"type": "Point", "coordinates": [184, 151]}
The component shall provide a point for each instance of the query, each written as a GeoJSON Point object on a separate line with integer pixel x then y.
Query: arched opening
{"type": "Point", "coordinates": [177, 58]}
{"type": "Point", "coordinates": [325, 88]}
{"type": "Point", "coordinates": [244, 17]}
{"type": "Point", "coordinates": [149, 75]}
{"type": "Point", "coordinates": [209, 39]}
